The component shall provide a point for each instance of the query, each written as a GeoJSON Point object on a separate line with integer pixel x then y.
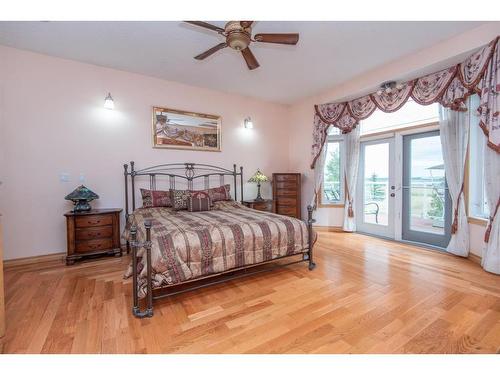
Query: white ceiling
{"type": "Point", "coordinates": [328, 53]}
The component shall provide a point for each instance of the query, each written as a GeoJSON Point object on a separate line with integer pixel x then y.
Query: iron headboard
{"type": "Point", "coordinates": [192, 171]}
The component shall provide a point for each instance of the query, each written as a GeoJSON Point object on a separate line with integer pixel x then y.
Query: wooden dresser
{"type": "Point", "coordinates": [265, 205]}
{"type": "Point", "coordinates": [92, 233]}
{"type": "Point", "coordinates": [286, 194]}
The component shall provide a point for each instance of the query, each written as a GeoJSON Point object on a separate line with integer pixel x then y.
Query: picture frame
{"type": "Point", "coordinates": [184, 130]}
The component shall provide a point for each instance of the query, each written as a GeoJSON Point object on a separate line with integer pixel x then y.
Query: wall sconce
{"type": "Point", "coordinates": [248, 123]}
{"type": "Point", "coordinates": [108, 102]}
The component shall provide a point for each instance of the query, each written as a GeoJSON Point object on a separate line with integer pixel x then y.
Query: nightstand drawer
{"type": "Point", "coordinates": [91, 233]}
{"type": "Point", "coordinates": [93, 245]}
{"type": "Point", "coordinates": [93, 221]}
{"type": "Point", "coordinates": [264, 206]}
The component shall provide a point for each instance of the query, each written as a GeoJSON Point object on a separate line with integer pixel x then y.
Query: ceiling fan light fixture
{"type": "Point", "coordinates": [238, 37]}
{"type": "Point", "coordinates": [238, 40]}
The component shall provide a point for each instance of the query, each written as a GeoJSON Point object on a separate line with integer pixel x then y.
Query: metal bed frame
{"type": "Point", "coordinates": [191, 172]}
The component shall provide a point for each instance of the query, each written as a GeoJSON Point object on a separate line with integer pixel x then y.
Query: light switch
{"type": "Point", "coordinates": [64, 177]}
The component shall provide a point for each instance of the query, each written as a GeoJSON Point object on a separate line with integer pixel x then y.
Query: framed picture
{"type": "Point", "coordinates": [186, 130]}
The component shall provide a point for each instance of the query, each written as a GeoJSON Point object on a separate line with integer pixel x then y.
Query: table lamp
{"type": "Point", "coordinates": [258, 177]}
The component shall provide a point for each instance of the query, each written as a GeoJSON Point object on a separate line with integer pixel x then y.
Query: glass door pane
{"type": "Point", "coordinates": [426, 205]}
{"type": "Point", "coordinates": [375, 208]}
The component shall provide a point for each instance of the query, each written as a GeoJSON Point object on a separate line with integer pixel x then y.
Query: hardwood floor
{"type": "Point", "coordinates": [366, 296]}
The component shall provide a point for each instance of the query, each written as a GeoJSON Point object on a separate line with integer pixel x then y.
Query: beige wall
{"type": "Point", "coordinates": [53, 121]}
{"type": "Point", "coordinates": [301, 113]}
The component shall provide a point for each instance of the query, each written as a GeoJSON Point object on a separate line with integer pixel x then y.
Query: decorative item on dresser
{"type": "Point", "coordinates": [92, 233]}
{"type": "Point", "coordinates": [286, 194]}
{"type": "Point", "coordinates": [261, 205]}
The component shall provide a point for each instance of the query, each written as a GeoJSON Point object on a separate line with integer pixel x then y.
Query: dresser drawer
{"type": "Point", "coordinates": [286, 201]}
{"type": "Point", "coordinates": [93, 245]}
{"type": "Point", "coordinates": [286, 193]}
{"type": "Point", "coordinates": [285, 177]}
{"type": "Point", "coordinates": [285, 210]}
{"type": "Point", "coordinates": [93, 221]}
{"type": "Point", "coordinates": [286, 185]}
{"type": "Point", "coordinates": [90, 233]}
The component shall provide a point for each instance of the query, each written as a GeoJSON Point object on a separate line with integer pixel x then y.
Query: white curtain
{"type": "Point", "coordinates": [350, 165]}
{"type": "Point", "coordinates": [491, 252]}
{"type": "Point", "coordinates": [454, 134]}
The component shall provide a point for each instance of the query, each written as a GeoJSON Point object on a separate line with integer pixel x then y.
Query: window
{"type": "Point", "coordinates": [333, 185]}
{"type": "Point", "coordinates": [410, 114]}
{"type": "Point", "coordinates": [478, 206]}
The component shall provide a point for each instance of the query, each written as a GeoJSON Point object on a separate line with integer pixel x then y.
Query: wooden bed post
{"type": "Point", "coordinates": [310, 222]}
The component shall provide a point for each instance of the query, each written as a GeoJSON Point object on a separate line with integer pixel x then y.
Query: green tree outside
{"type": "Point", "coordinates": [332, 175]}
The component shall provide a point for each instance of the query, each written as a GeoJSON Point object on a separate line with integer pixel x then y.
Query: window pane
{"type": "Point", "coordinates": [332, 189]}
{"type": "Point", "coordinates": [376, 184]}
{"type": "Point", "coordinates": [410, 114]}
{"type": "Point", "coordinates": [427, 185]}
{"type": "Point", "coordinates": [332, 130]}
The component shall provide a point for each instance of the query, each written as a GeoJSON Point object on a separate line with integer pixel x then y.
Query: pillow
{"type": "Point", "coordinates": [198, 201]}
{"type": "Point", "coordinates": [155, 198]}
{"type": "Point", "coordinates": [220, 193]}
{"type": "Point", "coordinates": [179, 199]}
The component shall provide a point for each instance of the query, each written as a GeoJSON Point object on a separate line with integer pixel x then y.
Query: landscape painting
{"type": "Point", "coordinates": [186, 130]}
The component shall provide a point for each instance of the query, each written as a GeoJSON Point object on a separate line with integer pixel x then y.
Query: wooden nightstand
{"type": "Point", "coordinates": [265, 205]}
{"type": "Point", "coordinates": [93, 232]}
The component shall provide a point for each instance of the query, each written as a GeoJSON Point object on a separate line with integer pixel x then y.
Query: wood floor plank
{"type": "Point", "coordinates": [366, 296]}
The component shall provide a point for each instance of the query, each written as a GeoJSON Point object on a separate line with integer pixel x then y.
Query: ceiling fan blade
{"type": "Point", "coordinates": [246, 24]}
{"type": "Point", "coordinates": [211, 51]}
{"type": "Point", "coordinates": [277, 38]}
{"type": "Point", "coordinates": [206, 26]}
{"type": "Point", "coordinates": [250, 59]}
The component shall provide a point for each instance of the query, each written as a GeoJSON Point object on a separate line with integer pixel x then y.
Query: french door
{"type": "Point", "coordinates": [376, 188]}
{"type": "Point", "coordinates": [426, 208]}
{"type": "Point", "coordinates": [401, 190]}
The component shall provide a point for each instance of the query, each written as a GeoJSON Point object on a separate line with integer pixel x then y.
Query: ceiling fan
{"type": "Point", "coordinates": [238, 36]}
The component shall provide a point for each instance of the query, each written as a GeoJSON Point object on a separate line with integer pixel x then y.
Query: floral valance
{"type": "Point", "coordinates": [479, 73]}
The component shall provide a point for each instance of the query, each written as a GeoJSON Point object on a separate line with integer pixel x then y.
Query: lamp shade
{"type": "Point", "coordinates": [81, 197]}
{"type": "Point", "coordinates": [258, 177]}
